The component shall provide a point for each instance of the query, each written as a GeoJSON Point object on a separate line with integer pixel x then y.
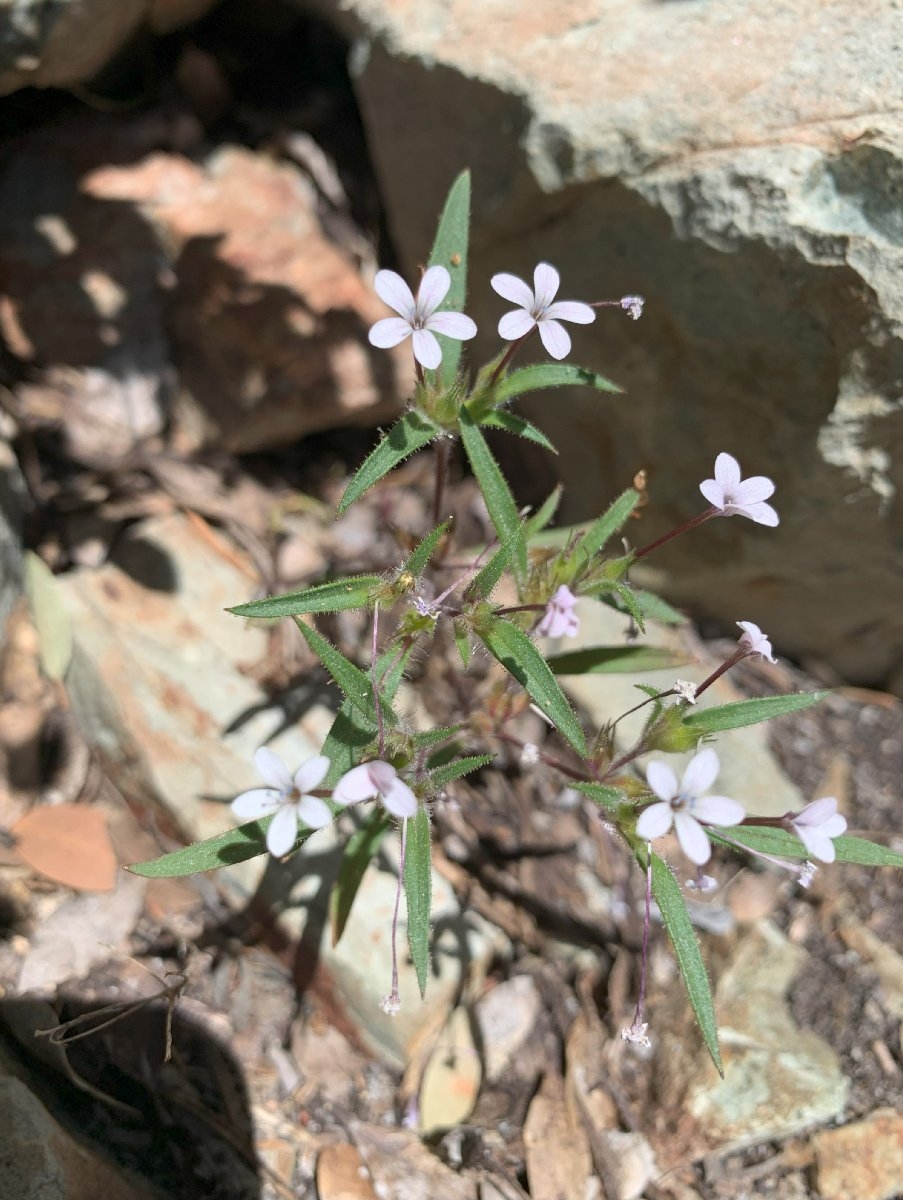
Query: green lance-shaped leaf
{"type": "Point", "coordinates": [432, 737]}
{"type": "Point", "coordinates": [612, 660]}
{"type": "Point", "coordinates": [676, 919]}
{"type": "Point", "coordinates": [608, 798]}
{"type": "Point", "coordinates": [610, 523]}
{"type": "Point", "coordinates": [748, 712]}
{"type": "Point", "coordinates": [784, 844]}
{"type": "Point", "coordinates": [501, 419]}
{"type": "Point", "coordinates": [418, 893]}
{"type": "Point", "coordinates": [495, 490]}
{"type": "Point", "coordinates": [480, 587]}
{"type": "Point", "coordinates": [354, 683]}
{"type": "Point", "coordinates": [233, 846]}
{"type": "Point", "coordinates": [549, 375]}
{"type": "Point", "coordinates": [450, 250]}
{"type": "Point", "coordinates": [353, 592]}
{"type": "Point", "coordinates": [410, 433]}
{"type": "Point", "coordinates": [517, 654]}
{"type": "Point", "coordinates": [422, 553]}
{"type": "Point", "coordinates": [359, 850]}
{"type": "Point", "coordinates": [539, 520]}
{"type": "Point", "coordinates": [456, 769]}
{"type": "Point", "coordinates": [653, 607]}
{"type": "Point", "coordinates": [629, 604]}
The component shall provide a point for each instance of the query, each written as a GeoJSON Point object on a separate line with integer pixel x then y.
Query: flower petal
{"type": "Point", "coordinates": [817, 812]}
{"type": "Point", "coordinates": [258, 802]}
{"type": "Point", "coordinates": [432, 291]}
{"type": "Point", "coordinates": [713, 492]}
{"type": "Point", "coordinates": [834, 827]}
{"type": "Point", "coordinates": [515, 325]}
{"type": "Point", "coordinates": [311, 773]}
{"type": "Point", "coordinates": [727, 470]}
{"type": "Point", "coordinates": [272, 769]}
{"type": "Point", "coordinates": [762, 514]}
{"type": "Point", "coordinates": [392, 290]}
{"type": "Point", "coordinates": [655, 821]}
{"type": "Point", "coordinates": [546, 282]}
{"type": "Point", "coordinates": [388, 332]}
{"type": "Point", "coordinates": [818, 846]}
{"type": "Point", "coordinates": [701, 772]}
{"type": "Point", "coordinates": [718, 810]}
{"type": "Point", "coordinates": [354, 786]}
{"type": "Point", "coordinates": [692, 837]}
{"type": "Point", "coordinates": [283, 831]}
{"type": "Point", "coordinates": [513, 288]}
{"type": "Point", "coordinates": [427, 350]}
{"type": "Point", "coordinates": [662, 780]}
{"type": "Point", "coordinates": [399, 800]}
{"type": "Point", "coordinates": [555, 338]}
{"type": "Point", "coordinates": [754, 489]}
{"type": "Point", "coordinates": [453, 325]}
{"type": "Point", "coordinates": [314, 812]}
{"type": "Point", "coordinates": [571, 310]}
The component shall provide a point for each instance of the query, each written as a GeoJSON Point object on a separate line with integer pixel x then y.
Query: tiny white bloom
{"type": "Point", "coordinates": [685, 807]}
{"type": "Point", "coordinates": [559, 619]}
{"type": "Point", "coordinates": [285, 799]}
{"type": "Point", "coordinates": [418, 319]}
{"type": "Point", "coordinates": [685, 690]}
{"type": "Point", "coordinates": [636, 1034]}
{"type": "Point", "coordinates": [702, 884]}
{"type": "Point", "coordinates": [380, 779]}
{"type": "Point", "coordinates": [529, 755]}
{"type": "Point", "coordinates": [807, 874]}
{"type": "Point", "coordinates": [538, 306]}
{"type": "Point", "coordinates": [816, 827]}
{"type": "Point", "coordinates": [633, 306]}
{"type": "Point", "coordinates": [737, 497]}
{"type": "Point", "coordinates": [754, 641]}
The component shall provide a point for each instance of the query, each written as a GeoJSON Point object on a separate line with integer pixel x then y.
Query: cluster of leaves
{"type": "Point", "coordinates": [536, 561]}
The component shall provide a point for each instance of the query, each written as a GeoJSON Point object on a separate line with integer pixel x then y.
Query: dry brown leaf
{"type": "Point", "coordinates": [342, 1174]}
{"type": "Point", "coordinates": [70, 844]}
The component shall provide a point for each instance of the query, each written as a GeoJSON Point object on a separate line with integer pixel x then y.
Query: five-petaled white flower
{"type": "Point", "coordinates": [559, 619]}
{"type": "Point", "coordinates": [380, 779]}
{"type": "Point", "coordinates": [754, 641]}
{"type": "Point", "coordinates": [538, 306]}
{"type": "Point", "coordinates": [816, 826]}
{"type": "Point", "coordinates": [684, 807]}
{"type": "Point", "coordinates": [739, 498]}
{"type": "Point", "coordinates": [285, 799]}
{"type": "Point", "coordinates": [418, 319]}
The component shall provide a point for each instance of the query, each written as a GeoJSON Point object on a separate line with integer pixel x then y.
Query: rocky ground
{"type": "Point", "coordinates": [186, 243]}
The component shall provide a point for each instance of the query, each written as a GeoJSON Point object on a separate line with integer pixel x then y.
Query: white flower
{"type": "Point", "coordinates": [633, 306]}
{"type": "Point", "coordinates": [285, 799]}
{"type": "Point", "coordinates": [685, 690]}
{"type": "Point", "coordinates": [684, 807]}
{"type": "Point", "coordinates": [754, 641]}
{"type": "Point", "coordinates": [736, 497]}
{"type": "Point", "coordinates": [816, 826]}
{"type": "Point", "coordinates": [537, 306]}
{"type": "Point", "coordinates": [380, 779]}
{"type": "Point", "coordinates": [559, 619]}
{"type": "Point", "coordinates": [418, 318]}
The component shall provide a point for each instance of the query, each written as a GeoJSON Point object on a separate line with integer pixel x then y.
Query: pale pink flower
{"type": "Point", "coordinates": [285, 799]}
{"type": "Point", "coordinates": [754, 641]}
{"type": "Point", "coordinates": [685, 808]}
{"type": "Point", "coordinates": [418, 319]}
{"type": "Point", "coordinates": [633, 306]}
{"type": "Point", "coordinates": [737, 497]}
{"type": "Point", "coordinates": [374, 779]}
{"type": "Point", "coordinates": [559, 619]}
{"type": "Point", "coordinates": [816, 827]}
{"type": "Point", "coordinates": [538, 306]}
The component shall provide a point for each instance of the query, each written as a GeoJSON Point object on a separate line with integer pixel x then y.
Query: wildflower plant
{"type": "Point", "coordinates": [373, 755]}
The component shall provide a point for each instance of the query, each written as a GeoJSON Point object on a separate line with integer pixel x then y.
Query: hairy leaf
{"type": "Point", "coordinates": [495, 490]}
{"type": "Point", "coordinates": [611, 660]}
{"type": "Point", "coordinates": [748, 712]}
{"type": "Point", "coordinates": [418, 892]}
{"type": "Point", "coordinates": [549, 375]}
{"type": "Point", "coordinates": [450, 251]}
{"type": "Point", "coordinates": [340, 594]}
{"type": "Point", "coordinates": [411, 432]}
{"type": "Point", "coordinates": [359, 850]}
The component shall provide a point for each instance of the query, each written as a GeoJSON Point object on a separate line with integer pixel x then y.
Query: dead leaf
{"type": "Point", "coordinates": [451, 1080]}
{"type": "Point", "coordinates": [342, 1174]}
{"type": "Point", "coordinates": [70, 844]}
{"type": "Point", "coordinates": [79, 935]}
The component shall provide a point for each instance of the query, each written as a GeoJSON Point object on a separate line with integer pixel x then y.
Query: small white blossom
{"type": "Point", "coordinates": [380, 779]}
{"type": "Point", "coordinates": [418, 319]}
{"type": "Point", "coordinates": [816, 827]}
{"type": "Point", "coordinates": [633, 306]}
{"type": "Point", "coordinates": [529, 755]}
{"type": "Point", "coordinates": [685, 807]}
{"type": "Point", "coordinates": [737, 497]}
{"type": "Point", "coordinates": [391, 1004]}
{"type": "Point", "coordinates": [636, 1034]}
{"type": "Point", "coordinates": [754, 641]}
{"type": "Point", "coordinates": [686, 690]}
{"type": "Point", "coordinates": [702, 884]}
{"type": "Point", "coordinates": [285, 799]}
{"type": "Point", "coordinates": [538, 306]}
{"type": "Point", "coordinates": [559, 619]}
